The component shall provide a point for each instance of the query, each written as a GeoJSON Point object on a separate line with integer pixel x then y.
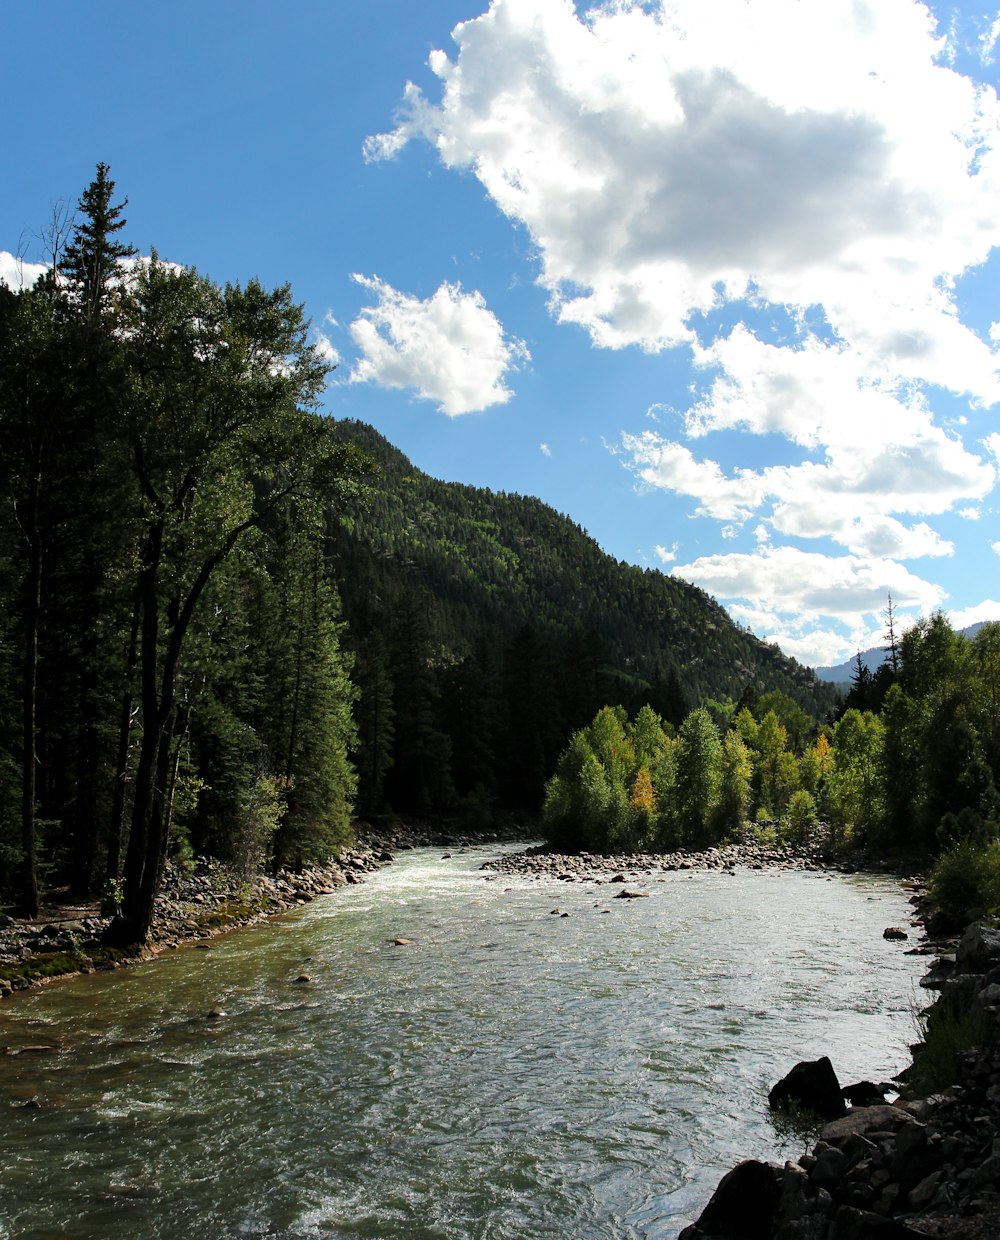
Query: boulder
{"type": "Point", "coordinates": [813, 1086]}
{"type": "Point", "coordinates": [742, 1207]}
{"type": "Point", "coordinates": [864, 1094]}
{"type": "Point", "coordinates": [978, 950]}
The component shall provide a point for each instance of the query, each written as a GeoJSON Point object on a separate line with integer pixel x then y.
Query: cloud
{"type": "Point", "coordinates": [665, 155]}
{"type": "Point", "coordinates": [995, 547]}
{"type": "Point", "coordinates": [16, 273]}
{"type": "Point", "coordinates": [988, 609]}
{"type": "Point", "coordinates": [545, 449]}
{"type": "Point", "coordinates": [818, 608]}
{"type": "Point", "coordinates": [326, 349]}
{"type": "Point", "coordinates": [666, 555]}
{"type": "Point", "coordinates": [449, 348]}
{"type": "Point", "coordinates": [682, 168]}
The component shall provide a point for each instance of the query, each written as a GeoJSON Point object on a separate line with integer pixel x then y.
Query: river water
{"type": "Point", "coordinates": [509, 1073]}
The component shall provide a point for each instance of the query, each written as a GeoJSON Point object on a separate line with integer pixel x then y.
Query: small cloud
{"type": "Point", "coordinates": [995, 547]}
{"type": "Point", "coordinates": [545, 449]}
{"type": "Point", "coordinates": [762, 534]}
{"type": "Point", "coordinates": [326, 349]}
{"type": "Point", "coordinates": [988, 609]}
{"type": "Point", "coordinates": [970, 514]}
{"type": "Point", "coordinates": [449, 348]}
{"type": "Point", "coordinates": [988, 43]}
{"type": "Point", "coordinates": [16, 273]}
{"type": "Point", "coordinates": [666, 555]}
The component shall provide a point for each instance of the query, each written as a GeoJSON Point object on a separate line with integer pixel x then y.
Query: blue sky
{"type": "Point", "coordinates": [718, 280]}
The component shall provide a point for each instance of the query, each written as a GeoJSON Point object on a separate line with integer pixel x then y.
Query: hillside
{"type": "Point", "coordinates": [497, 578]}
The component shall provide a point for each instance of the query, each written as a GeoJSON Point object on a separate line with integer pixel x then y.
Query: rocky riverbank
{"type": "Point", "coordinates": [750, 853]}
{"type": "Point", "coordinates": [925, 1166]}
{"type": "Point", "coordinates": [67, 939]}
{"type": "Point", "coordinates": [193, 906]}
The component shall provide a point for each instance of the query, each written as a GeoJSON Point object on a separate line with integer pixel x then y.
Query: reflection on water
{"type": "Point", "coordinates": [508, 1073]}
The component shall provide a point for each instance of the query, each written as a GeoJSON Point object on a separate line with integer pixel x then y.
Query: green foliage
{"type": "Point", "coordinates": [947, 1029]}
{"type": "Point", "coordinates": [800, 817]}
{"type": "Point", "coordinates": [965, 880]}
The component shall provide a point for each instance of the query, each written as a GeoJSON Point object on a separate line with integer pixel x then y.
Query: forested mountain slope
{"type": "Point", "coordinates": [504, 586]}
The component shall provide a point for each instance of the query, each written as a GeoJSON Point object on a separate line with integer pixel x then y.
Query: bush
{"type": "Point", "coordinates": [966, 879]}
{"type": "Point", "coordinates": [946, 1031]}
{"type": "Point", "coordinates": [800, 817]}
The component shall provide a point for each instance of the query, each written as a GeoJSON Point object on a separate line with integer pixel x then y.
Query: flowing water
{"type": "Point", "coordinates": [509, 1073]}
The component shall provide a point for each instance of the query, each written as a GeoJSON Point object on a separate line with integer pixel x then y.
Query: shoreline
{"type": "Point", "coordinates": [65, 940]}
{"type": "Point", "coordinates": [924, 1167]}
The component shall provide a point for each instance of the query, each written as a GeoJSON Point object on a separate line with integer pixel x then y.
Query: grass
{"type": "Point", "coordinates": [946, 1029]}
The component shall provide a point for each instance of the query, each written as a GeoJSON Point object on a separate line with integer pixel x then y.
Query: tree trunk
{"type": "Point", "coordinates": [29, 750]}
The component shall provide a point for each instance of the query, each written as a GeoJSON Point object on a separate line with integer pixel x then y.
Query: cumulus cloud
{"type": "Point", "coordinates": [449, 348]}
{"type": "Point", "coordinates": [16, 273]}
{"type": "Point", "coordinates": [666, 555]}
{"type": "Point", "coordinates": [545, 449]}
{"type": "Point", "coordinates": [658, 153]}
{"type": "Point", "coordinates": [988, 609]}
{"type": "Point", "coordinates": [818, 608]}
{"type": "Point", "coordinates": [670, 160]}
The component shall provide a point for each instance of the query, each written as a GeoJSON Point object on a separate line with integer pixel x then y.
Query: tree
{"type": "Point", "coordinates": [218, 443]}
{"type": "Point", "coordinates": [699, 776]}
{"type": "Point", "coordinates": [92, 261]}
{"type": "Point", "coordinates": [856, 773]}
{"type": "Point", "coordinates": [734, 785]}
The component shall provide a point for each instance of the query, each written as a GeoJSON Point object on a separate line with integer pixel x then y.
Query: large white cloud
{"type": "Point", "coordinates": [449, 348]}
{"type": "Point", "coordinates": [792, 595]}
{"type": "Point", "coordinates": [659, 152]}
{"type": "Point", "coordinates": [673, 159]}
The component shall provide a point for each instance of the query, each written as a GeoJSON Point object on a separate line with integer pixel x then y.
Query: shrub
{"type": "Point", "coordinates": [966, 878]}
{"type": "Point", "coordinates": [946, 1031]}
{"type": "Point", "coordinates": [800, 817]}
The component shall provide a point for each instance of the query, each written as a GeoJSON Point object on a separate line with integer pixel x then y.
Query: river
{"type": "Point", "coordinates": [509, 1073]}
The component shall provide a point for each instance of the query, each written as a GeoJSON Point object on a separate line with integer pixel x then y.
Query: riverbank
{"type": "Point", "coordinates": [66, 939]}
{"type": "Point", "coordinates": [928, 1165]}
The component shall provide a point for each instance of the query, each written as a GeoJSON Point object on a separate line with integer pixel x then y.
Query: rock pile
{"type": "Point", "coordinates": [923, 1167]}
{"type": "Point", "coordinates": [751, 854]}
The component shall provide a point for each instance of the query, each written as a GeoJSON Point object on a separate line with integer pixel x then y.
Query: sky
{"type": "Point", "coordinates": [719, 280]}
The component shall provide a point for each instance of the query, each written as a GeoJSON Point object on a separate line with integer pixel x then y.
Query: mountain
{"type": "Point", "coordinates": [489, 564]}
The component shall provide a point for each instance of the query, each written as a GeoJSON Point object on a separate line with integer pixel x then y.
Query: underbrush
{"type": "Point", "coordinates": [946, 1030]}
{"type": "Point", "coordinates": [965, 880]}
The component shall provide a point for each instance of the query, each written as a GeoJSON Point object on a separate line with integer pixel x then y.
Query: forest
{"type": "Point", "coordinates": [910, 765]}
{"type": "Point", "coordinates": [230, 624]}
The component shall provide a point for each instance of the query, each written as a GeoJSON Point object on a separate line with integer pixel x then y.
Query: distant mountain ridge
{"type": "Point", "coordinates": [493, 562]}
{"type": "Point", "coordinates": [872, 658]}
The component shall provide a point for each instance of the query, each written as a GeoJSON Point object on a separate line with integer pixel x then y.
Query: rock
{"type": "Point", "coordinates": [215, 1013]}
{"type": "Point", "coordinates": [303, 979]}
{"type": "Point", "coordinates": [812, 1085]}
{"type": "Point", "coordinates": [625, 894]}
{"type": "Point", "coordinates": [829, 1168]}
{"type": "Point", "coordinates": [894, 932]}
{"type": "Point", "coordinates": [401, 942]}
{"type": "Point", "coordinates": [978, 950]}
{"type": "Point", "coordinates": [864, 1094]}
{"type": "Point", "coordinates": [742, 1207]}
{"type": "Point", "coordinates": [863, 1120]}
